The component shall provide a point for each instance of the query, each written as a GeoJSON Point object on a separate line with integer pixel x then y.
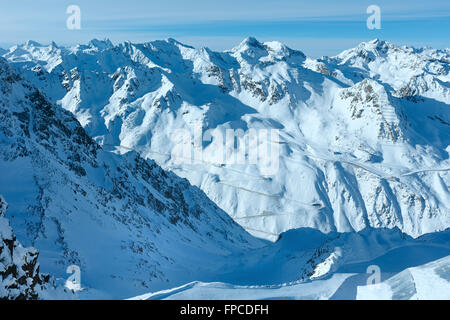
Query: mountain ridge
{"type": "Point", "coordinates": [381, 162]}
{"type": "Point", "coordinates": [127, 223]}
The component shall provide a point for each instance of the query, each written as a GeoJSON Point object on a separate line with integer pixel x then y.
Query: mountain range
{"type": "Point", "coordinates": [89, 173]}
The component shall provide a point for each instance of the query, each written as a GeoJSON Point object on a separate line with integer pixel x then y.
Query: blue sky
{"type": "Point", "coordinates": [319, 27]}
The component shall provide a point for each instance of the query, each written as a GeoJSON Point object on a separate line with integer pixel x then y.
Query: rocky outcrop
{"type": "Point", "coordinates": [19, 269]}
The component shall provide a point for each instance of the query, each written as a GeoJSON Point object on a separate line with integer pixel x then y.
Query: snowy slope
{"type": "Point", "coordinates": [426, 282]}
{"type": "Point", "coordinates": [317, 290]}
{"type": "Point", "coordinates": [346, 275]}
{"type": "Point", "coordinates": [364, 136]}
{"type": "Point", "coordinates": [129, 225]}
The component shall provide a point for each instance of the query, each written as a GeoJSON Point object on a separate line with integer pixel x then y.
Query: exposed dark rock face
{"type": "Point", "coordinates": [19, 270]}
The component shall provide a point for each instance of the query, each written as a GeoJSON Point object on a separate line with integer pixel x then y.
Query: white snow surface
{"type": "Point", "coordinates": [430, 281]}
{"type": "Point", "coordinates": [426, 282]}
{"type": "Point", "coordinates": [410, 269]}
{"type": "Point", "coordinates": [364, 150]}
{"type": "Point", "coordinates": [128, 224]}
{"type": "Point", "coordinates": [364, 136]}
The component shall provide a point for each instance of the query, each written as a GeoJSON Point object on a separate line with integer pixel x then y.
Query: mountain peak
{"type": "Point", "coordinates": [101, 44]}
{"type": "Point", "coordinates": [32, 43]}
{"type": "Point", "coordinates": [248, 43]}
{"type": "Point", "coordinates": [368, 50]}
{"type": "Point", "coordinates": [375, 45]}
{"type": "Point", "coordinates": [251, 41]}
{"type": "Point", "coordinates": [376, 40]}
{"type": "Point", "coordinates": [279, 49]}
{"type": "Point", "coordinates": [178, 43]}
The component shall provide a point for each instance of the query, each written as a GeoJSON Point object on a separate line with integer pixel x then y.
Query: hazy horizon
{"type": "Point", "coordinates": [315, 28]}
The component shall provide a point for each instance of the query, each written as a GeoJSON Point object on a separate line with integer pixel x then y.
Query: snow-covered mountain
{"type": "Point", "coordinates": [128, 224]}
{"type": "Point", "coordinates": [408, 72]}
{"type": "Point", "coordinates": [362, 147]}
{"type": "Point", "coordinates": [425, 282]}
{"type": "Point", "coordinates": [409, 269]}
{"type": "Point", "coordinates": [363, 137]}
